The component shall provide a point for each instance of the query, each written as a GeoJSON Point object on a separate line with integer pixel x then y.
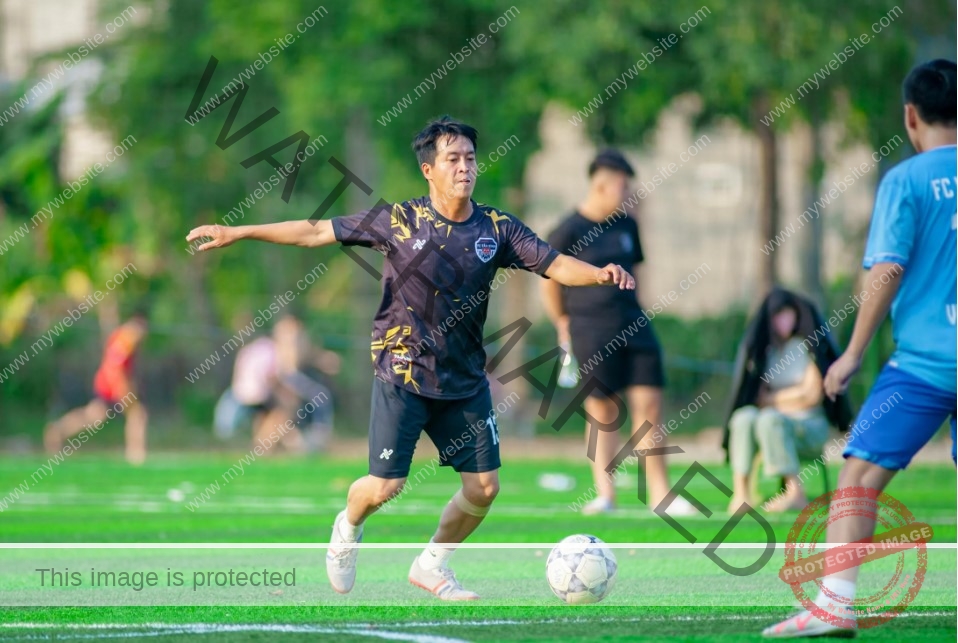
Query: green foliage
{"type": "Point", "coordinates": [29, 153]}
{"type": "Point", "coordinates": [339, 79]}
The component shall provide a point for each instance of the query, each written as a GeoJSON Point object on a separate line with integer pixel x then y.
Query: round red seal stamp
{"type": "Point", "coordinates": [809, 557]}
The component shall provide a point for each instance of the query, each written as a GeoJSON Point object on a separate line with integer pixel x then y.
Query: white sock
{"type": "Point", "coordinates": [843, 591]}
{"type": "Point", "coordinates": [434, 557]}
{"type": "Point", "coordinates": [349, 531]}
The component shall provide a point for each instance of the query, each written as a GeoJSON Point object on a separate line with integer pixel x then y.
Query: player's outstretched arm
{"type": "Point", "coordinates": [570, 271]}
{"type": "Point", "coordinates": [290, 233]}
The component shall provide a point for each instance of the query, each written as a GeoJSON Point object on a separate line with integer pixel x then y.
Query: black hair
{"type": "Point", "coordinates": [777, 301]}
{"type": "Point", "coordinates": [611, 159]}
{"type": "Point", "coordinates": [446, 126]}
{"type": "Point", "coordinates": [930, 87]}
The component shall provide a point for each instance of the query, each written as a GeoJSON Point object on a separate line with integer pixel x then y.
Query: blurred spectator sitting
{"type": "Point", "coordinates": [778, 405]}
{"type": "Point", "coordinates": [250, 396]}
{"type": "Point", "coordinates": [277, 384]}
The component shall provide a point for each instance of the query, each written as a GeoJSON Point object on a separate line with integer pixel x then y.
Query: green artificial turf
{"type": "Point", "coordinates": [659, 593]}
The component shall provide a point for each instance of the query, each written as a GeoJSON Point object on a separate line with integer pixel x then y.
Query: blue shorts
{"type": "Point", "coordinates": [902, 413]}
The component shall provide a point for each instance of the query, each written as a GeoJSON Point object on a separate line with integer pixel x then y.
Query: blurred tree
{"type": "Point", "coordinates": [749, 60]}
{"type": "Point", "coordinates": [770, 65]}
{"type": "Point", "coordinates": [29, 179]}
{"type": "Point", "coordinates": [589, 62]}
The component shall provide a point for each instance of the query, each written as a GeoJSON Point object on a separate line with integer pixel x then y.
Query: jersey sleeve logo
{"type": "Point", "coordinates": [486, 248]}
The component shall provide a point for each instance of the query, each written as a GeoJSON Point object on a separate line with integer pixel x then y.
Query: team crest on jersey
{"type": "Point", "coordinates": [486, 248]}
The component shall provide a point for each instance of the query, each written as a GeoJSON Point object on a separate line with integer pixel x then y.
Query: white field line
{"type": "Point", "coordinates": [414, 545]}
{"type": "Point", "coordinates": [163, 506]}
{"type": "Point", "coordinates": [358, 628]}
{"type": "Point", "coordinates": [158, 503]}
{"type": "Point", "coordinates": [157, 629]}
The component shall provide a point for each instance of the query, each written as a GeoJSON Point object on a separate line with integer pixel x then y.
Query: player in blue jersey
{"type": "Point", "coordinates": [910, 256]}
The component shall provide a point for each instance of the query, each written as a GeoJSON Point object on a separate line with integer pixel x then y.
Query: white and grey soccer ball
{"type": "Point", "coordinates": [581, 569]}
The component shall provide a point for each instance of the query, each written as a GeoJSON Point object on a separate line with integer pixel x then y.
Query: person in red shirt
{"type": "Point", "coordinates": [113, 390]}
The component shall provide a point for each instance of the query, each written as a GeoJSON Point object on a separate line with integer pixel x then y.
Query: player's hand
{"type": "Point", "coordinates": [219, 236]}
{"type": "Point", "coordinates": [615, 275]}
{"type": "Point", "coordinates": [840, 373]}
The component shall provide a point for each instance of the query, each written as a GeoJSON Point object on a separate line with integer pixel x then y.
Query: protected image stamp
{"type": "Point", "coordinates": [897, 533]}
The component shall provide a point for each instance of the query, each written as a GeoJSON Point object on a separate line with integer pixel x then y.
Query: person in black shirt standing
{"type": "Point", "coordinates": [610, 335]}
{"type": "Point", "coordinates": [441, 253]}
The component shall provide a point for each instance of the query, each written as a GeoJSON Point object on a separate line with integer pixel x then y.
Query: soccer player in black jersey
{"type": "Point", "coordinates": [441, 253]}
{"type": "Point", "coordinates": [611, 336]}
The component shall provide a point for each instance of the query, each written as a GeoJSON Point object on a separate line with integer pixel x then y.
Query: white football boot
{"type": "Point", "coordinates": [341, 561]}
{"type": "Point", "coordinates": [441, 582]}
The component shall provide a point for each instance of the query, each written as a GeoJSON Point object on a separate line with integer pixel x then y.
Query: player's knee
{"type": "Point", "coordinates": [856, 472]}
{"type": "Point", "coordinates": [96, 410]}
{"type": "Point", "coordinates": [602, 410]}
{"type": "Point", "coordinates": [490, 490]}
{"type": "Point", "coordinates": [482, 493]}
{"type": "Point", "coordinates": [386, 489]}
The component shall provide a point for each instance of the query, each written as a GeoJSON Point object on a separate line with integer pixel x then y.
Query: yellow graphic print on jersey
{"type": "Point", "coordinates": [397, 221]}
{"type": "Point", "coordinates": [496, 218]}
{"type": "Point", "coordinates": [423, 213]}
{"type": "Point", "coordinates": [400, 356]}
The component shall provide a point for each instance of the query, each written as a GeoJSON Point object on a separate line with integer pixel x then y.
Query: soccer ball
{"type": "Point", "coordinates": [581, 570]}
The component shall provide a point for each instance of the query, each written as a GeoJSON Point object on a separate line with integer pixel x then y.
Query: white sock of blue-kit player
{"type": "Point", "coordinates": [838, 587]}
{"type": "Point", "coordinates": [434, 557]}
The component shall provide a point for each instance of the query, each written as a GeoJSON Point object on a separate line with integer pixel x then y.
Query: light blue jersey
{"type": "Point", "coordinates": [914, 225]}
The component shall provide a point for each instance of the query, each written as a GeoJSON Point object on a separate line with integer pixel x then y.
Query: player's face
{"type": "Point", "coordinates": [453, 173]}
{"type": "Point", "coordinates": [614, 188]}
{"type": "Point", "coordinates": [784, 322]}
{"type": "Point", "coordinates": [619, 188]}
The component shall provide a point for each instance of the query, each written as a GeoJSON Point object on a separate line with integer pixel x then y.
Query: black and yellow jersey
{"type": "Point", "coordinates": [437, 276]}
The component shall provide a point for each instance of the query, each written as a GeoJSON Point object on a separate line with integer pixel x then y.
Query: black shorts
{"type": "Point", "coordinates": [464, 431]}
{"type": "Point", "coordinates": [263, 407]}
{"type": "Point", "coordinates": [618, 364]}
